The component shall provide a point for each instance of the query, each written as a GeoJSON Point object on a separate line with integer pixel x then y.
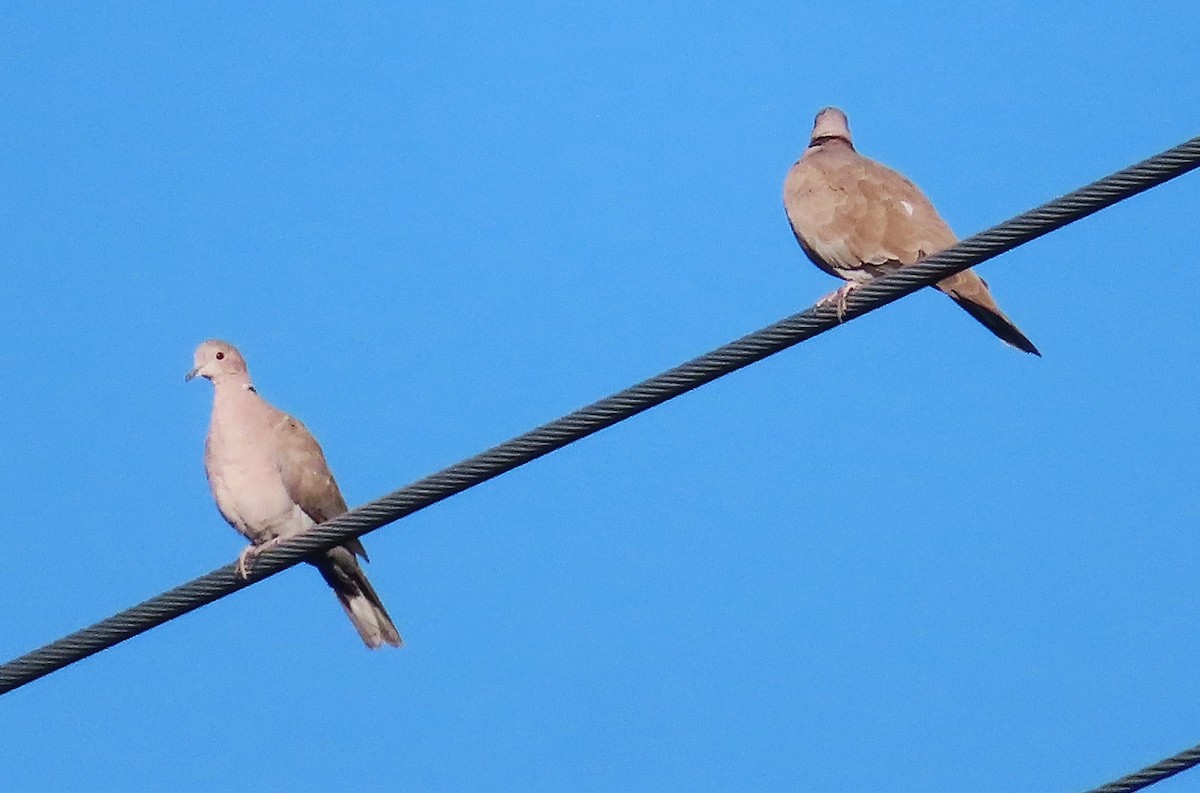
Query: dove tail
{"type": "Point", "coordinates": [972, 295]}
{"type": "Point", "coordinates": [362, 605]}
{"type": "Point", "coordinates": [998, 324]}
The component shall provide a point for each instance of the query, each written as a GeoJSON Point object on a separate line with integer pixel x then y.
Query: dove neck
{"type": "Point", "coordinates": [230, 391]}
{"type": "Point", "coordinates": [830, 141]}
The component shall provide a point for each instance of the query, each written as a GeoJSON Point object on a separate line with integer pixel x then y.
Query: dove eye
{"type": "Point", "coordinates": [220, 356]}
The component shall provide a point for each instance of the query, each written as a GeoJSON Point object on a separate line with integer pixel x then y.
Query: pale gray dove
{"type": "Point", "coordinates": [271, 482]}
{"type": "Point", "coordinates": [857, 219]}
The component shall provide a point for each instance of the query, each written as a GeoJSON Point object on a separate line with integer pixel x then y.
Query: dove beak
{"type": "Point", "coordinates": [191, 374]}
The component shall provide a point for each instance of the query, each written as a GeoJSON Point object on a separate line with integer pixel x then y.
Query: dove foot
{"type": "Point", "coordinates": [837, 300]}
{"type": "Point", "coordinates": [250, 553]}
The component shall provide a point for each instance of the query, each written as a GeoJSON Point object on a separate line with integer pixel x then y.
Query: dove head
{"type": "Point", "coordinates": [830, 124]}
{"type": "Point", "coordinates": [219, 361]}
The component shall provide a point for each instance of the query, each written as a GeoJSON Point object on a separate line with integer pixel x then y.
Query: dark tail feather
{"type": "Point", "coordinates": [972, 295]}
{"type": "Point", "coordinates": [345, 576]}
{"type": "Point", "coordinates": [999, 324]}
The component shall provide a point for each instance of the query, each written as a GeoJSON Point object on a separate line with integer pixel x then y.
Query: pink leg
{"type": "Point", "coordinates": [249, 553]}
{"type": "Point", "coordinates": [838, 299]}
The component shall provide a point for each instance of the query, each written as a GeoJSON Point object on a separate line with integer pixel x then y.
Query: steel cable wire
{"type": "Point", "coordinates": [1163, 769]}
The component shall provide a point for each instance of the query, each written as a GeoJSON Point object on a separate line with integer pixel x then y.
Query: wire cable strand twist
{"type": "Point", "coordinates": [1163, 769]}
{"type": "Point", "coordinates": [604, 413]}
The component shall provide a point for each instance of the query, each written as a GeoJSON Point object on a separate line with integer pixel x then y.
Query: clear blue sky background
{"type": "Point", "coordinates": [900, 557]}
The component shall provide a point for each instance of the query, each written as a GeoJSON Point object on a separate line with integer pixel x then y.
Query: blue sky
{"type": "Point", "coordinates": [901, 556]}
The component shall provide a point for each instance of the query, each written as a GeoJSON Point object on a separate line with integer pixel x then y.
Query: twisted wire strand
{"type": "Point", "coordinates": [604, 413]}
{"type": "Point", "coordinates": [1163, 769]}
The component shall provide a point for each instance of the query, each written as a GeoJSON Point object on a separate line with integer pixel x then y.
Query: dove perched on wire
{"type": "Point", "coordinates": [857, 219]}
{"type": "Point", "coordinates": [270, 480]}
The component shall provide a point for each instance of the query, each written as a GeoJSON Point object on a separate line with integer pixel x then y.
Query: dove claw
{"type": "Point", "coordinates": [837, 300]}
{"type": "Point", "coordinates": [246, 558]}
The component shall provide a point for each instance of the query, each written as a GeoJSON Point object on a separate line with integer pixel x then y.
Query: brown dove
{"type": "Point", "coordinates": [271, 482]}
{"type": "Point", "coordinates": [858, 219]}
